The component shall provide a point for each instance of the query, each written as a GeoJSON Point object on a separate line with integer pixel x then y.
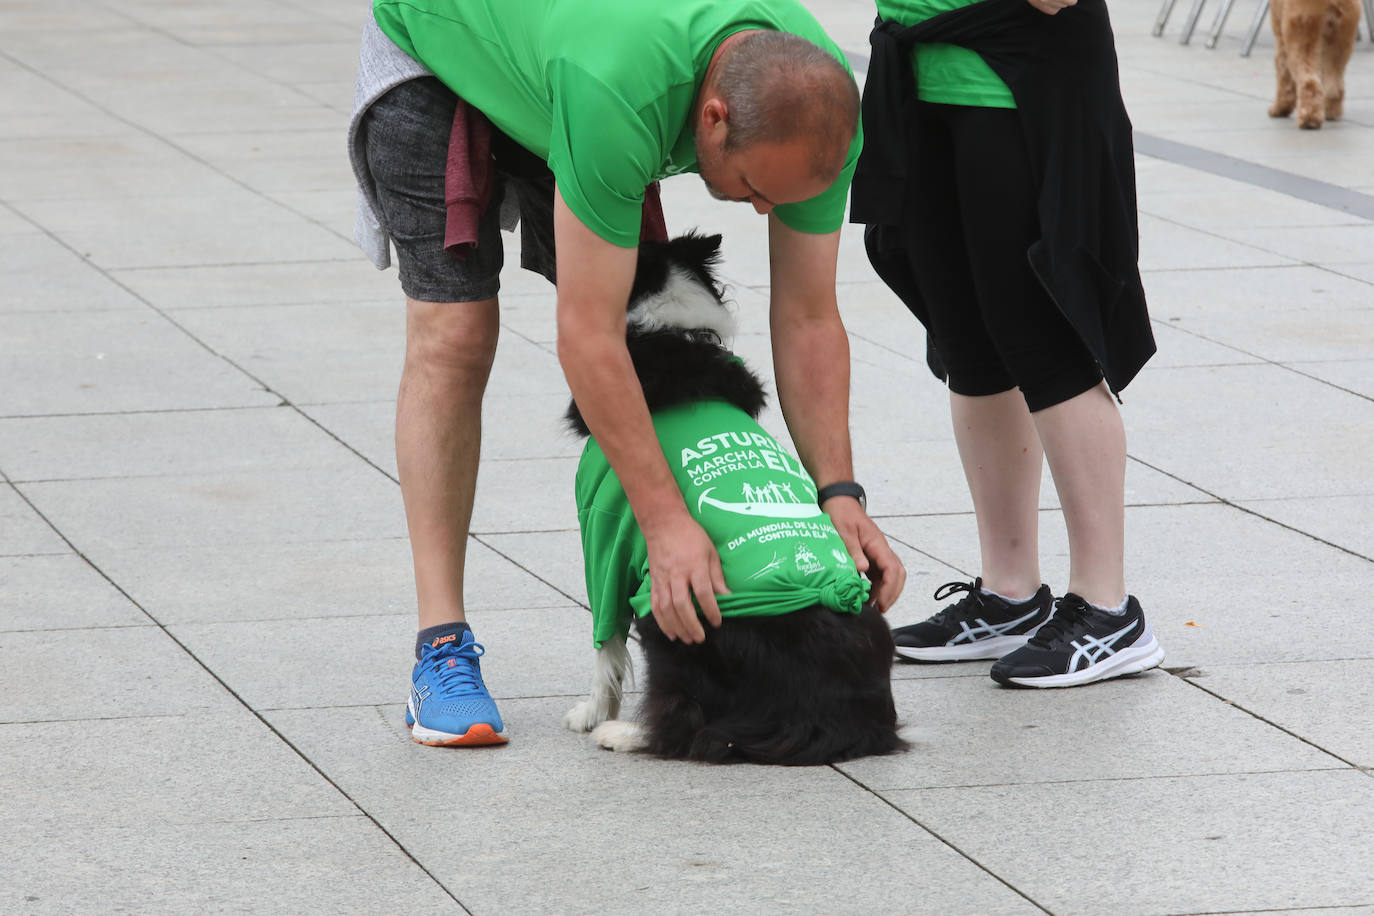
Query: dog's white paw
{"type": "Point", "coordinates": [583, 717]}
{"type": "Point", "coordinates": [619, 736]}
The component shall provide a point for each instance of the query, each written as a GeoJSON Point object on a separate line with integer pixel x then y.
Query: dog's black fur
{"type": "Point", "coordinates": [809, 687]}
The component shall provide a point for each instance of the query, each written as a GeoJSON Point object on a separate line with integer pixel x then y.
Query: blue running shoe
{"type": "Point", "coordinates": [449, 705]}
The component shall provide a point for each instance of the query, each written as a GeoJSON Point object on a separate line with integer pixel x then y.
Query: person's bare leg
{"type": "Point", "coordinates": [449, 353]}
{"type": "Point", "coordinates": [1085, 444]}
{"type": "Point", "coordinates": [1002, 460]}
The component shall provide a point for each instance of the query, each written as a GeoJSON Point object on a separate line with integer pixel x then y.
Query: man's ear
{"type": "Point", "coordinates": [715, 116]}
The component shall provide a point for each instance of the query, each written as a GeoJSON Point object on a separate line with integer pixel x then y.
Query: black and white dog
{"type": "Point", "coordinates": [807, 687]}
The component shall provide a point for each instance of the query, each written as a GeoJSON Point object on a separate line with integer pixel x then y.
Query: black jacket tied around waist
{"type": "Point", "coordinates": [1062, 72]}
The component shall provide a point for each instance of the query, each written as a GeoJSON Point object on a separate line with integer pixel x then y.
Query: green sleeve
{"type": "Point", "coordinates": [613, 561]}
{"type": "Point", "coordinates": [601, 152]}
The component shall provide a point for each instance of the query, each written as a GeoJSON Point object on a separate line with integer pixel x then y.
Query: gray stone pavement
{"type": "Point", "coordinates": [205, 598]}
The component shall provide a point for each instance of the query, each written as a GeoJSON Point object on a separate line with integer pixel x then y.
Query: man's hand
{"type": "Point", "coordinates": [866, 544]}
{"type": "Point", "coordinates": [683, 563]}
{"type": "Point", "coordinates": [1050, 7]}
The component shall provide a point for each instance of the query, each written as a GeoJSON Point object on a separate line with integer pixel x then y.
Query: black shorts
{"type": "Point", "coordinates": [973, 218]}
{"type": "Point", "coordinates": [406, 134]}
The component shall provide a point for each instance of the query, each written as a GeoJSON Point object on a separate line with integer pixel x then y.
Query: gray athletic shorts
{"type": "Point", "coordinates": [406, 134]}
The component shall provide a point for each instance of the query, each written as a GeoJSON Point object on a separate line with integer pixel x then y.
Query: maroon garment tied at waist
{"type": "Point", "coordinates": [468, 180]}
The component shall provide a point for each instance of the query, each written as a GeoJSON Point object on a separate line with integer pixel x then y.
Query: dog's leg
{"type": "Point", "coordinates": [1338, 43]}
{"type": "Point", "coordinates": [619, 736]}
{"type": "Point", "coordinates": [1302, 30]}
{"type": "Point", "coordinates": [1286, 95]}
{"type": "Point", "coordinates": [613, 668]}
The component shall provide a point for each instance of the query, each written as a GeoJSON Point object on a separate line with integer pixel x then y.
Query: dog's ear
{"type": "Point", "coordinates": [700, 254]}
{"type": "Point", "coordinates": [696, 249]}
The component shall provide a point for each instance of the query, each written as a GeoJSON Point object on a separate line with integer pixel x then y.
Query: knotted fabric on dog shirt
{"type": "Point", "coordinates": [778, 549]}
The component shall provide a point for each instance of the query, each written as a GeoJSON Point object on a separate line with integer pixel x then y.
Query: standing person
{"type": "Point", "coordinates": [612, 96]}
{"type": "Point", "coordinates": [998, 185]}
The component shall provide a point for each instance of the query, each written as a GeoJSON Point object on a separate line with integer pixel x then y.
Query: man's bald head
{"type": "Point", "coordinates": [780, 88]}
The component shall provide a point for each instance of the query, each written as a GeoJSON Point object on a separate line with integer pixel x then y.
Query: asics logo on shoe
{"type": "Point", "coordinates": [1092, 650]}
{"type": "Point", "coordinates": [439, 641]}
{"type": "Point", "coordinates": [985, 630]}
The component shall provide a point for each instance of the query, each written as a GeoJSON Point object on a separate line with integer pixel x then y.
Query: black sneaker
{"type": "Point", "coordinates": [976, 626]}
{"type": "Point", "coordinates": [1082, 644]}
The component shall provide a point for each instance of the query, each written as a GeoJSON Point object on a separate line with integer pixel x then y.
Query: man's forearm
{"type": "Point", "coordinates": [811, 366]}
{"type": "Point", "coordinates": [603, 381]}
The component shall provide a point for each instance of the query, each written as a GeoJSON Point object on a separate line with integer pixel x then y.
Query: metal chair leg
{"type": "Point", "coordinates": [1162, 18]}
{"type": "Point", "coordinates": [1255, 27]}
{"type": "Point", "coordinates": [1193, 15]}
{"type": "Point", "coordinates": [1222, 12]}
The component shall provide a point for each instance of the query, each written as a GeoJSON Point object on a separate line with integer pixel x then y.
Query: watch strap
{"type": "Point", "coordinates": [842, 488]}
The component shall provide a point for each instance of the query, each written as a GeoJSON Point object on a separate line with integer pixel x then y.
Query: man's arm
{"type": "Point", "coordinates": [594, 280]}
{"type": "Point", "coordinates": [811, 366]}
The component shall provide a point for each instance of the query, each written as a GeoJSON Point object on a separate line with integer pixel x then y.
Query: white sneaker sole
{"type": "Point", "coordinates": [990, 648]}
{"type": "Point", "coordinates": [1128, 661]}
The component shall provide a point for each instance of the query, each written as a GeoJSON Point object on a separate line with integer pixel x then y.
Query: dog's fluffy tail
{"type": "Point", "coordinates": [613, 668]}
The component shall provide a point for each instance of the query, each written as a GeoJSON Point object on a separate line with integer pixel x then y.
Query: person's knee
{"type": "Point", "coordinates": [453, 343]}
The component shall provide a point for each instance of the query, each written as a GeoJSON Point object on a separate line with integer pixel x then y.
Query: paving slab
{"type": "Point", "coordinates": [22, 530]}
{"type": "Point", "coordinates": [222, 509]}
{"type": "Point", "coordinates": [1166, 245]}
{"type": "Point", "coordinates": [166, 443]}
{"type": "Point", "coordinates": [1286, 336]}
{"type": "Point", "coordinates": [1198, 844]}
{"type": "Point", "coordinates": [324, 864]}
{"type": "Point", "coordinates": [61, 592]}
{"type": "Point", "coordinates": [972, 732]}
{"type": "Point", "coordinates": [43, 275]}
{"type": "Point", "coordinates": [233, 226]}
{"type": "Point", "coordinates": [1353, 375]}
{"type": "Point", "coordinates": [123, 672]}
{"type": "Point", "coordinates": [350, 280]}
{"type": "Point", "coordinates": [1320, 702]}
{"type": "Point", "coordinates": [1255, 291]}
{"type": "Point", "coordinates": [714, 845]}
{"type": "Point", "coordinates": [525, 495]}
{"type": "Point", "coordinates": [354, 578]}
{"type": "Point", "coordinates": [150, 770]}
{"type": "Point", "coordinates": [127, 359]}
{"type": "Point", "coordinates": [1343, 521]}
{"type": "Point", "coordinates": [514, 427]}
{"type": "Point", "coordinates": [59, 168]}
{"type": "Point", "coordinates": [354, 661]}
{"type": "Point", "coordinates": [1254, 432]}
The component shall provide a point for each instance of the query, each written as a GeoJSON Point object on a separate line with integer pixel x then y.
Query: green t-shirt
{"type": "Point", "coordinates": [947, 73]}
{"type": "Point", "coordinates": [778, 549]}
{"type": "Point", "coordinates": [603, 91]}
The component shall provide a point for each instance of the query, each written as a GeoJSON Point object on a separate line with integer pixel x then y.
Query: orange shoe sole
{"type": "Point", "coordinates": [478, 736]}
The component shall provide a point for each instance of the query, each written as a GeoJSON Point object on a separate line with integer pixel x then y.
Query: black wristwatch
{"type": "Point", "coordinates": [842, 488]}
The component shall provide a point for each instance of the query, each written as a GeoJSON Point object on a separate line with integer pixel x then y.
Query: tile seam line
{"type": "Point", "coordinates": [1277, 727]}
{"type": "Point", "coordinates": [1284, 909]}
{"type": "Point", "coordinates": [401, 847]}
{"type": "Point", "coordinates": [282, 400]}
{"type": "Point", "coordinates": [478, 537]}
{"type": "Point", "coordinates": [1219, 774]}
{"type": "Point", "coordinates": [165, 141]}
{"type": "Point", "coordinates": [1260, 359]}
{"type": "Point", "coordinates": [1240, 508]}
{"type": "Point", "coordinates": [957, 851]}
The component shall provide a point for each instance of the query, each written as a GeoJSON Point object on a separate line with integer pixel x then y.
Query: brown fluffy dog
{"type": "Point", "coordinates": [1314, 39]}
